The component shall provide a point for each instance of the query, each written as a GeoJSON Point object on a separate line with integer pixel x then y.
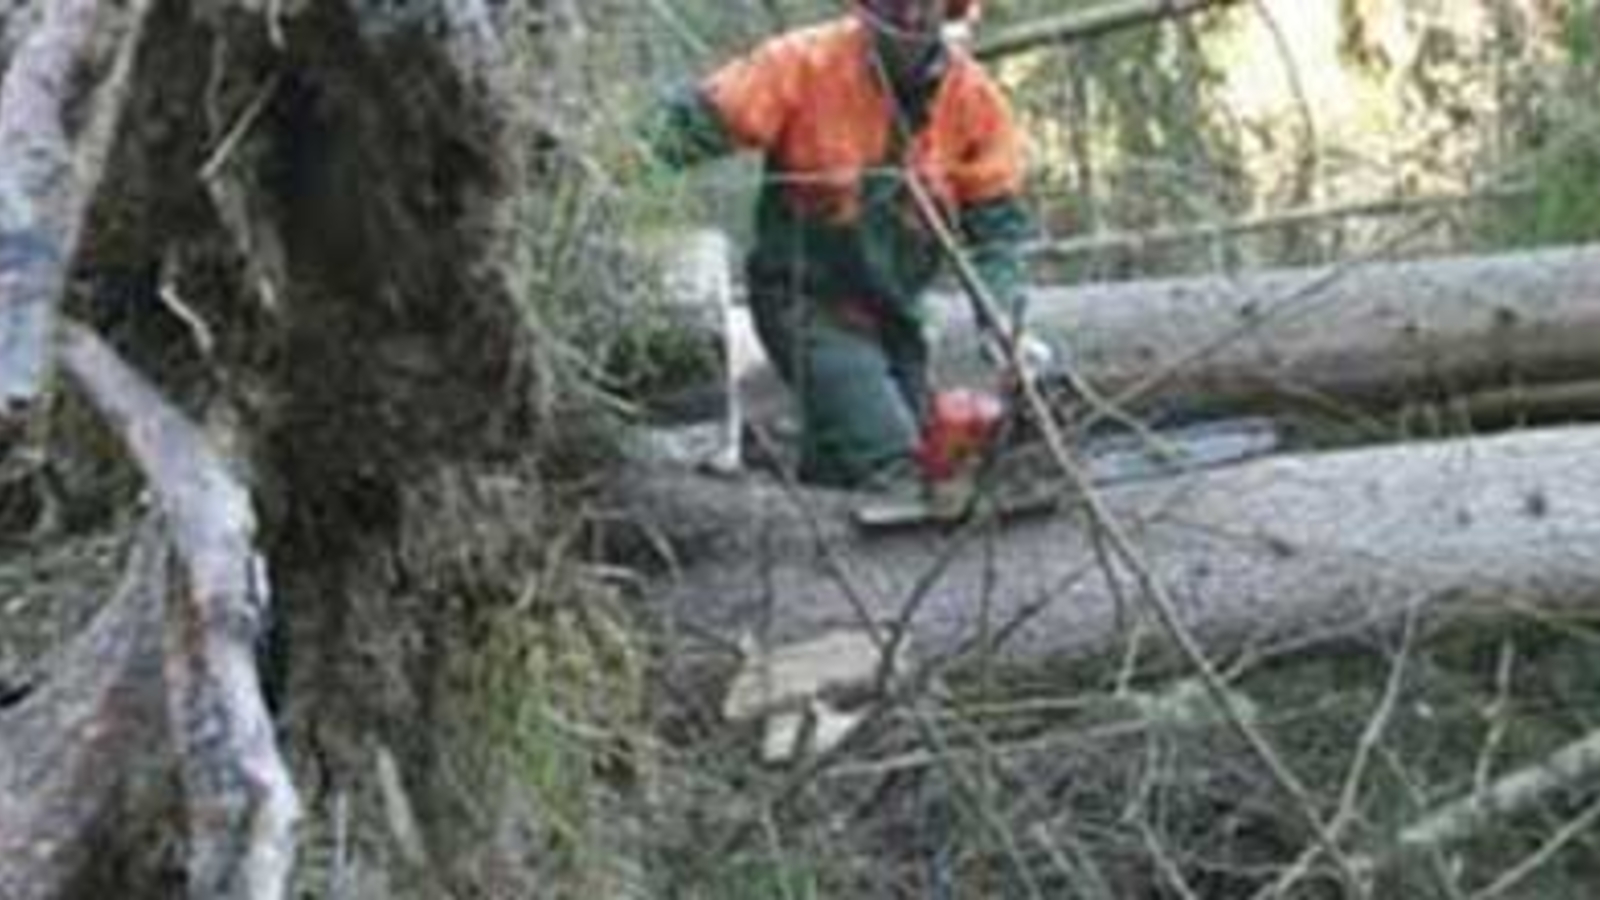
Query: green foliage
{"type": "Point", "coordinates": [560, 694]}
{"type": "Point", "coordinates": [1561, 143]}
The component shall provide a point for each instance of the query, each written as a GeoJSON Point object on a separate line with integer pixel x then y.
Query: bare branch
{"type": "Point", "coordinates": [81, 51]}
{"type": "Point", "coordinates": [241, 802]}
{"type": "Point", "coordinates": [1143, 241]}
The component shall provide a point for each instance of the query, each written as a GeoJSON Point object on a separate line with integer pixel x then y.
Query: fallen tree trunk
{"type": "Point", "coordinates": [1283, 549]}
{"type": "Point", "coordinates": [1374, 336]}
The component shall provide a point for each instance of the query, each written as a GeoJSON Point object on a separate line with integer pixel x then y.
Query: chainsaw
{"type": "Point", "coordinates": [965, 429]}
{"type": "Point", "coordinates": [970, 470]}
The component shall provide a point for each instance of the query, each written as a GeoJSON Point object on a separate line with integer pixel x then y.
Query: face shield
{"type": "Point", "coordinates": [909, 34]}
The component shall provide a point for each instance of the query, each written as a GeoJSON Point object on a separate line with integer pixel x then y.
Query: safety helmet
{"type": "Point", "coordinates": [954, 10]}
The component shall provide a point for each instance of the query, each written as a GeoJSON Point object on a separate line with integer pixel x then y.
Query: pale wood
{"type": "Point", "coordinates": [793, 674]}
{"type": "Point", "coordinates": [241, 802]}
{"type": "Point", "coordinates": [814, 730]}
{"type": "Point", "coordinates": [80, 53]}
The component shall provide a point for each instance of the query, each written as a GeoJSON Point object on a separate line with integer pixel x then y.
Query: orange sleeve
{"type": "Point", "coordinates": [755, 95]}
{"type": "Point", "coordinates": [993, 156]}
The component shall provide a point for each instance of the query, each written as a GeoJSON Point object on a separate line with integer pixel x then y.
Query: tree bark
{"type": "Point", "coordinates": [52, 158]}
{"type": "Point", "coordinates": [1374, 336]}
{"type": "Point", "coordinates": [241, 804]}
{"type": "Point", "coordinates": [1284, 549]}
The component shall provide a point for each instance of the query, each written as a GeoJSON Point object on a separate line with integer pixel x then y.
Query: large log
{"type": "Point", "coordinates": [1282, 549]}
{"type": "Point", "coordinates": [1375, 335]}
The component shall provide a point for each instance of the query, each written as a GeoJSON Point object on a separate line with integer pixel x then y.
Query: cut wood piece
{"type": "Point", "coordinates": [793, 674]}
{"type": "Point", "coordinates": [1288, 548]}
{"type": "Point", "coordinates": [816, 729]}
{"type": "Point", "coordinates": [1378, 335]}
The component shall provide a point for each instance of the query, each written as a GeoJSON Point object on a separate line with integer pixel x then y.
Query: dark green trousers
{"type": "Point", "coordinates": [860, 377]}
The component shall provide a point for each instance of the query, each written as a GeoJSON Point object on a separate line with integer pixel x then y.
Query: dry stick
{"type": "Point", "coordinates": [1083, 876]}
{"type": "Point", "coordinates": [1121, 543]}
{"type": "Point", "coordinates": [241, 802]}
{"type": "Point", "coordinates": [47, 183]}
{"type": "Point", "coordinates": [1498, 719]}
{"type": "Point", "coordinates": [1079, 25]}
{"type": "Point", "coordinates": [226, 147]}
{"type": "Point", "coordinates": [1165, 864]}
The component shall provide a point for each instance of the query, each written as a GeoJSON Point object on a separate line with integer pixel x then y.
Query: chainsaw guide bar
{"type": "Point", "coordinates": [1105, 459]}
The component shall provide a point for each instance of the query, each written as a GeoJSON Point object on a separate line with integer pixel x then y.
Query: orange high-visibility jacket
{"type": "Point", "coordinates": [831, 223]}
{"type": "Point", "coordinates": [814, 102]}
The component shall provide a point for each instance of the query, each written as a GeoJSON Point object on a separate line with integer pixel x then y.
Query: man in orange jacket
{"type": "Point", "coordinates": [845, 113]}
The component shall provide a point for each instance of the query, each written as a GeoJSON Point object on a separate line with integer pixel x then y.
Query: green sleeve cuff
{"type": "Point", "coordinates": [995, 232]}
{"type": "Point", "coordinates": [686, 130]}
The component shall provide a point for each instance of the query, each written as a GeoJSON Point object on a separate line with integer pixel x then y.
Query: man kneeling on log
{"type": "Point", "coordinates": [856, 118]}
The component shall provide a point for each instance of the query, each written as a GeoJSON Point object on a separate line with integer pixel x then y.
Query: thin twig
{"type": "Point", "coordinates": [241, 127]}
{"type": "Point", "coordinates": [1371, 736]}
{"type": "Point", "coordinates": [1165, 864]}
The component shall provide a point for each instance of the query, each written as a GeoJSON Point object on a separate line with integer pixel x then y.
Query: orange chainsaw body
{"type": "Point", "coordinates": [960, 426]}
